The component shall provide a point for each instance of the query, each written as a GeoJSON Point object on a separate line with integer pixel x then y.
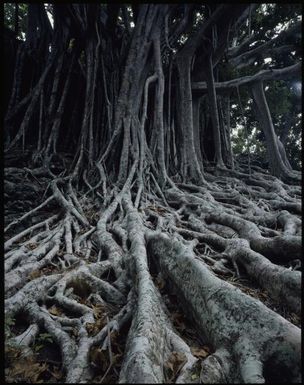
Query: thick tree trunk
{"type": "Point", "coordinates": [196, 128]}
{"type": "Point", "coordinates": [279, 164]}
{"type": "Point", "coordinates": [214, 112]}
{"type": "Point", "coordinates": [191, 166]}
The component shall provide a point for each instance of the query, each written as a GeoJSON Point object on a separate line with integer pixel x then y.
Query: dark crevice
{"type": "Point", "coordinates": [109, 275]}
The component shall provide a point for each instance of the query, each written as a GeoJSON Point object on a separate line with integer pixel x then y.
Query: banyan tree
{"type": "Point", "coordinates": [139, 248]}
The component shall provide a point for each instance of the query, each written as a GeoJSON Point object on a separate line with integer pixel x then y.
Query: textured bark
{"type": "Point", "coordinates": [249, 341]}
{"type": "Point", "coordinates": [278, 164]}
{"type": "Point", "coordinates": [214, 112]}
{"type": "Point", "coordinates": [220, 309]}
{"type": "Point", "coordinates": [191, 166]}
{"type": "Point", "coordinates": [129, 257]}
{"type": "Point", "coordinates": [196, 128]}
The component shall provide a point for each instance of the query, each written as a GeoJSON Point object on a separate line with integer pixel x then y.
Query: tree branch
{"type": "Point", "coordinates": [282, 73]}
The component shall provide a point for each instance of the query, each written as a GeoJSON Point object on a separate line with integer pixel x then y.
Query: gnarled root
{"type": "Point", "coordinates": [151, 338]}
{"type": "Point", "coordinates": [228, 318]}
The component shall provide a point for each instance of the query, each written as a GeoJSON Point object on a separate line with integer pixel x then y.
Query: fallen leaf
{"type": "Point", "coordinates": [98, 311]}
{"type": "Point", "coordinates": [94, 328]}
{"type": "Point", "coordinates": [175, 363]}
{"type": "Point", "coordinates": [90, 327]}
{"type": "Point", "coordinates": [169, 365]}
{"type": "Point", "coordinates": [99, 358]}
{"type": "Point", "coordinates": [200, 353]}
{"type": "Point", "coordinates": [31, 246]}
{"type": "Point", "coordinates": [34, 274]}
{"type": "Point", "coordinates": [55, 310]}
{"type": "Point", "coordinates": [28, 370]}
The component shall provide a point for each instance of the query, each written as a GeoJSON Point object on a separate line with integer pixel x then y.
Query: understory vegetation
{"type": "Point", "coordinates": [152, 193]}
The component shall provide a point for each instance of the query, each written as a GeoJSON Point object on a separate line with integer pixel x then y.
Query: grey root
{"type": "Point", "coordinates": [134, 206]}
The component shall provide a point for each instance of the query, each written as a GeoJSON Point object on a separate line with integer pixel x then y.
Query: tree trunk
{"type": "Point", "coordinates": [214, 112]}
{"type": "Point", "coordinates": [278, 164]}
{"type": "Point", "coordinates": [191, 166]}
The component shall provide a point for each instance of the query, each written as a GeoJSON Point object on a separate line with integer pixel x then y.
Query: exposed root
{"type": "Point", "coordinates": [71, 274]}
{"type": "Point", "coordinates": [226, 316]}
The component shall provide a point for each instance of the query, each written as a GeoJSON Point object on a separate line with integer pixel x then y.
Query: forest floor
{"type": "Point", "coordinates": [203, 218]}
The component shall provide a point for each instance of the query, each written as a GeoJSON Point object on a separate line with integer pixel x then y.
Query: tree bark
{"type": "Point", "coordinates": [278, 166]}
